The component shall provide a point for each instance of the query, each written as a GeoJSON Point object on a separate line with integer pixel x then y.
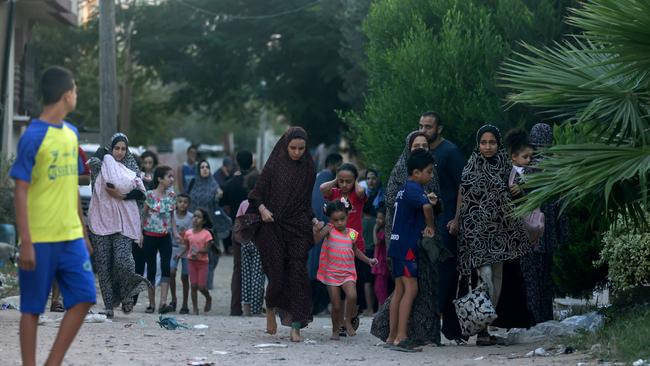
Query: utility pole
{"type": "Point", "coordinates": [107, 71]}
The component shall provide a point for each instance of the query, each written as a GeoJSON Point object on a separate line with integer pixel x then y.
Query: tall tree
{"type": "Point", "coordinates": [223, 54]}
{"type": "Point", "coordinates": [442, 55]}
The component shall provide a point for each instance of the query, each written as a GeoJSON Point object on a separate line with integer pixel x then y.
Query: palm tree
{"type": "Point", "coordinates": [598, 82]}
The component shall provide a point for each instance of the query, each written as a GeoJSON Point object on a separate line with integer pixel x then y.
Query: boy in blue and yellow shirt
{"type": "Point", "coordinates": [49, 219]}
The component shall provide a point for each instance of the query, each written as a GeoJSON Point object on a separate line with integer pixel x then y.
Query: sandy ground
{"type": "Point", "coordinates": [136, 339]}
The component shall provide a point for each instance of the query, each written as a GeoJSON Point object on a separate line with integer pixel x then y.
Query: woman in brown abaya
{"type": "Point", "coordinates": [282, 197]}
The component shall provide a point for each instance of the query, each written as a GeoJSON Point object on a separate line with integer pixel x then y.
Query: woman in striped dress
{"type": "Point", "coordinates": [336, 268]}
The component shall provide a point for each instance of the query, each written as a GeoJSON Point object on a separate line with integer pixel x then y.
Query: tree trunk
{"type": "Point", "coordinates": [107, 71]}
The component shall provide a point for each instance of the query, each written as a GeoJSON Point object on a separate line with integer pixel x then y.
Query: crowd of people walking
{"type": "Point", "coordinates": [403, 254]}
{"type": "Point", "coordinates": [302, 241]}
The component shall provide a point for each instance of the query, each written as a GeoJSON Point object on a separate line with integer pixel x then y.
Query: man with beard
{"type": "Point", "coordinates": [449, 164]}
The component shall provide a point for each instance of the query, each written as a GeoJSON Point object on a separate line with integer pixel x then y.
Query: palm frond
{"type": "Point", "coordinates": [612, 179]}
{"type": "Point", "coordinates": [573, 80]}
{"type": "Point", "coordinates": [623, 26]}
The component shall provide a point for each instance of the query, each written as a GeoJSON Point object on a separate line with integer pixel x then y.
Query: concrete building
{"type": "Point", "coordinates": [18, 80]}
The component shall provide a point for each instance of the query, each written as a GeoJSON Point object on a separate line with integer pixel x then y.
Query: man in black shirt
{"type": "Point", "coordinates": [234, 193]}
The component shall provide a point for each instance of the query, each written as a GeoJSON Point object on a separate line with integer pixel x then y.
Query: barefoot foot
{"type": "Point", "coordinates": [349, 329]}
{"type": "Point", "coordinates": [335, 336]}
{"type": "Point", "coordinates": [271, 324]}
{"type": "Point", "coordinates": [295, 335]}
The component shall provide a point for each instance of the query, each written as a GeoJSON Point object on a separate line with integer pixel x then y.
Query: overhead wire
{"type": "Point", "coordinates": [248, 17]}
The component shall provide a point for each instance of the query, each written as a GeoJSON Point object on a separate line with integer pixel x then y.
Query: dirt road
{"type": "Point", "coordinates": [136, 339]}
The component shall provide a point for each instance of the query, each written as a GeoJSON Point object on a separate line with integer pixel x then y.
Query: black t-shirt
{"type": "Point", "coordinates": [234, 193]}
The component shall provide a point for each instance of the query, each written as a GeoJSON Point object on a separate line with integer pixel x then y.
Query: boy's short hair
{"type": "Point", "coordinates": [419, 160]}
{"type": "Point", "coordinates": [186, 196]}
{"type": "Point", "coordinates": [55, 82]}
{"type": "Point", "coordinates": [333, 159]}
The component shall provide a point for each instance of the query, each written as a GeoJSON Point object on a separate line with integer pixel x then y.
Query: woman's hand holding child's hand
{"type": "Point", "coordinates": [429, 231]}
{"type": "Point", "coordinates": [372, 262]}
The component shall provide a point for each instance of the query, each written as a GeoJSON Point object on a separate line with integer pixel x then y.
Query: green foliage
{"type": "Point", "coordinates": [444, 56]}
{"type": "Point", "coordinates": [627, 254]}
{"type": "Point", "coordinates": [574, 272]}
{"type": "Point", "coordinates": [598, 79]}
{"type": "Point", "coordinates": [7, 212]}
{"type": "Point", "coordinates": [624, 336]}
{"type": "Point", "coordinates": [218, 63]}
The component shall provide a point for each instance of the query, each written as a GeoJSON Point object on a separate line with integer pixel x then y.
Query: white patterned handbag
{"type": "Point", "coordinates": [475, 310]}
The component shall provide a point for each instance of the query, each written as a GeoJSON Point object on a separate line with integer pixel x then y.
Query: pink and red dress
{"type": "Point", "coordinates": [336, 264]}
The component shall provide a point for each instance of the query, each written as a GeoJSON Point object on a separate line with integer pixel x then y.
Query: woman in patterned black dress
{"type": "Point", "coordinates": [282, 197]}
{"type": "Point", "coordinates": [489, 232]}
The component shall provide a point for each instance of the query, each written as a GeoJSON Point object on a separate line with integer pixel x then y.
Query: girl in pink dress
{"type": "Point", "coordinates": [336, 266]}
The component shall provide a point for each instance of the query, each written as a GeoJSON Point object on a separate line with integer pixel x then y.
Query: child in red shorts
{"type": "Point", "coordinates": [197, 245]}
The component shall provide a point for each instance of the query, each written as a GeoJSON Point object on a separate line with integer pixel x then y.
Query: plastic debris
{"type": "Point", "coordinates": [310, 341]}
{"type": "Point", "coordinates": [201, 326]}
{"type": "Point", "coordinates": [553, 329]}
{"type": "Point", "coordinates": [12, 302]}
{"type": "Point", "coordinates": [170, 323]}
{"type": "Point", "coordinates": [220, 353]}
{"type": "Point", "coordinates": [640, 362]}
{"type": "Point", "coordinates": [539, 352]}
{"type": "Point", "coordinates": [479, 358]}
{"type": "Point", "coordinates": [590, 321]}
{"type": "Point", "coordinates": [96, 318]}
{"type": "Point", "coordinates": [199, 361]}
{"type": "Point", "coordinates": [271, 345]}
{"type": "Point", "coordinates": [6, 306]}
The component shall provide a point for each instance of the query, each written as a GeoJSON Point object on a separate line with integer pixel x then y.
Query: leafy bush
{"type": "Point", "coordinates": [7, 214]}
{"type": "Point", "coordinates": [626, 252]}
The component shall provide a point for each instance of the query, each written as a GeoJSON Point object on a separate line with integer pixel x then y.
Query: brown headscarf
{"type": "Point", "coordinates": [285, 185]}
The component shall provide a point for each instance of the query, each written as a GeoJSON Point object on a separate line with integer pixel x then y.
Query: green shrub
{"type": "Point", "coordinates": [7, 214]}
{"type": "Point", "coordinates": [626, 251]}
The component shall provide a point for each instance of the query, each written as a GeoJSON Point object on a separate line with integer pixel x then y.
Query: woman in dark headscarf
{"type": "Point", "coordinates": [282, 197]}
{"type": "Point", "coordinates": [424, 324]}
{"type": "Point", "coordinates": [204, 193]}
{"type": "Point", "coordinates": [114, 222]}
{"type": "Point", "coordinates": [490, 234]}
{"type": "Point", "coordinates": [399, 174]}
{"type": "Point", "coordinates": [536, 266]}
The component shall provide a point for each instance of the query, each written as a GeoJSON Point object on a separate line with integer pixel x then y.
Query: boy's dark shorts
{"type": "Point", "coordinates": [69, 263]}
{"type": "Point", "coordinates": [404, 268]}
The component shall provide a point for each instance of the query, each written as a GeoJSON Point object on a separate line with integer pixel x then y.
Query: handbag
{"type": "Point", "coordinates": [245, 227]}
{"type": "Point", "coordinates": [475, 310]}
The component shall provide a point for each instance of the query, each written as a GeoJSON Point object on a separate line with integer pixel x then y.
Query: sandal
{"type": "Point", "coordinates": [165, 309]}
{"type": "Point", "coordinates": [184, 311]}
{"type": "Point", "coordinates": [127, 308]}
{"type": "Point", "coordinates": [109, 314]}
{"type": "Point", "coordinates": [149, 310]}
{"type": "Point", "coordinates": [57, 307]}
{"type": "Point", "coordinates": [173, 305]}
{"type": "Point", "coordinates": [208, 304]}
{"type": "Point", "coordinates": [406, 345]}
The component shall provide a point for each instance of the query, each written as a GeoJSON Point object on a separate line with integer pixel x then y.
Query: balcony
{"type": "Point", "coordinates": [58, 11]}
